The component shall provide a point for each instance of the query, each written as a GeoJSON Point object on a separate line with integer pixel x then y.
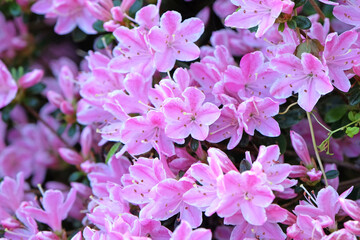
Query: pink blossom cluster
{"type": "Point", "coordinates": [159, 135]}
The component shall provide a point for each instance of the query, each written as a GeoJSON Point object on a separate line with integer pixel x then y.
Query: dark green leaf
{"type": "Point", "coordinates": [253, 29]}
{"type": "Point", "coordinates": [291, 24]}
{"type": "Point", "coordinates": [36, 89]}
{"type": "Point", "coordinates": [112, 151]}
{"type": "Point", "coordinates": [5, 113]}
{"type": "Point", "coordinates": [15, 9]}
{"type": "Point", "coordinates": [354, 95]}
{"type": "Point", "coordinates": [335, 114]}
{"type": "Point", "coordinates": [302, 22]}
{"type": "Point", "coordinates": [194, 144]}
{"type": "Point", "coordinates": [99, 26]}
{"type": "Point", "coordinates": [281, 27]}
{"type": "Point", "coordinates": [72, 130]}
{"type": "Point", "coordinates": [135, 7]}
{"type": "Point", "coordinates": [244, 140]}
{"type": "Point", "coordinates": [332, 174]}
{"type": "Point", "coordinates": [107, 39]}
{"type": "Point", "coordinates": [244, 165]}
{"type": "Point", "coordinates": [76, 176]}
{"type": "Point", "coordinates": [299, 3]}
{"type": "Point", "coordinates": [32, 102]}
{"type": "Point", "coordinates": [61, 129]}
{"type": "Point", "coordinates": [292, 117]}
{"type": "Point", "coordinates": [117, 3]}
{"type": "Point", "coordinates": [78, 35]}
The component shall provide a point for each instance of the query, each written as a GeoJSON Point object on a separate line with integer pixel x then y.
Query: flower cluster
{"type": "Point", "coordinates": [231, 121]}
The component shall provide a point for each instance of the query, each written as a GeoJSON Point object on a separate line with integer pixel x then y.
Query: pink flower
{"type": "Point", "coordinates": [184, 232]}
{"type": "Point", "coordinates": [8, 87]}
{"type": "Point", "coordinates": [132, 54]}
{"type": "Point", "coordinates": [253, 12]}
{"type": "Point", "coordinates": [142, 177]}
{"type": "Point", "coordinates": [56, 208]}
{"type": "Point", "coordinates": [339, 56]}
{"type": "Point", "coordinates": [228, 125]}
{"type": "Point", "coordinates": [189, 116]}
{"type": "Point", "coordinates": [174, 40]}
{"type": "Point", "coordinates": [69, 14]}
{"type": "Point", "coordinates": [246, 192]}
{"type": "Point", "coordinates": [257, 114]}
{"type": "Point", "coordinates": [253, 78]}
{"type": "Point", "coordinates": [348, 12]}
{"type": "Point", "coordinates": [308, 77]}
{"type": "Point", "coordinates": [164, 206]}
{"type": "Point", "coordinates": [140, 134]}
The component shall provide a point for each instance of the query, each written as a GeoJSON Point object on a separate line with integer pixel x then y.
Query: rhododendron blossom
{"type": "Point", "coordinates": [179, 120]}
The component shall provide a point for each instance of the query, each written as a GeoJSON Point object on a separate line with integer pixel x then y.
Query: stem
{"type": "Point", "coordinates": [315, 148]}
{"type": "Point", "coordinates": [343, 128]}
{"type": "Point", "coordinates": [37, 116]}
{"type": "Point", "coordinates": [320, 12]}
{"type": "Point", "coordinates": [320, 123]}
{"type": "Point", "coordinates": [317, 9]}
{"type": "Point", "coordinates": [288, 108]}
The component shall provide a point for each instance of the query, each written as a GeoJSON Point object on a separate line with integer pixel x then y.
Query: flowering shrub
{"type": "Point", "coordinates": [213, 119]}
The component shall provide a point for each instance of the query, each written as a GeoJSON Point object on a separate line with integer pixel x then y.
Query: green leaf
{"type": "Point", "coordinates": [75, 176]}
{"type": "Point", "coordinates": [99, 26]}
{"type": "Point", "coordinates": [112, 151]}
{"type": "Point", "coordinates": [292, 117]}
{"type": "Point", "coordinates": [194, 144]}
{"type": "Point", "coordinates": [5, 113]}
{"type": "Point", "coordinates": [31, 101]}
{"type": "Point", "coordinates": [335, 114]}
{"type": "Point", "coordinates": [72, 130]}
{"type": "Point", "coordinates": [354, 95]}
{"type": "Point", "coordinates": [253, 29]}
{"type": "Point", "coordinates": [312, 46]}
{"type": "Point", "coordinates": [107, 38]}
{"type": "Point", "coordinates": [292, 24]}
{"type": "Point", "coordinates": [14, 9]}
{"type": "Point", "coordinates": [352, 131]}
{"type": "Point", "coordinates": [244, 165]}
{"type": "Point", "coordinates": [117, 3]}
{"type": "Point", "coordinates": [281, 27]}
{"type": "Point", "coordinates": [36, 89]}
{"type": "Point", "coordinates": [135, 7]}
{"type": "Point", "coordinates": [61, 129]}
{"type": "Point", "coordinates": [78, 35]}
{"type": "Point", "coordinates": [332, 174]}
{"type": "Point", "coordinates": [354, 116]}
{"type": "Point", "coordinates": [299, 3]}
{"type": "Point", "coordinates": [302, 22]}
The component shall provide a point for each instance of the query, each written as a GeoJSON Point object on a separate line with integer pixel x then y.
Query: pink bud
{"type": "Point", "coordinates": [10, 223]}
{"type": "Point", "coordinates": [66, 108]}
{"type": "Point", "coordinates": [98, 11]}
{"type": "Point", "coordinates": [117, 14]}
{"type": "Point", "coordinates": [55, 98]}
{"type": "Point", "coordinates": [126, 4]}
{"type": "Point", "coordinates": [300, 148]}
{"type": "Point", "coordinates": [111, 26]}
{"type": "Point", "coordinates": [298, 171]}
{"type": "Point", "coordinates": [31, 78]}
{"type": "Point", "coordinates": [66, 82]}
{"type": "Point", "coordinates": [314, 175]}
{"type": "Point", "coordinates": [70, 156]}
{"type": "Point", "coordinates": [86, 141]}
